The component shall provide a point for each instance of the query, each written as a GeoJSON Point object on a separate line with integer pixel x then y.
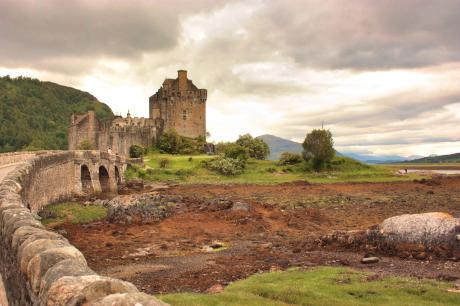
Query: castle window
{"type": "Point", "coordinates": [184, 115]}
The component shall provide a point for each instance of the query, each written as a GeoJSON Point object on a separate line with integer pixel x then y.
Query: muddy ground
{"type": "Point", "coordinates": [279, 231]}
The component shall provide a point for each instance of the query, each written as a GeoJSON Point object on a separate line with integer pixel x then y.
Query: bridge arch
{"type": "Point", "coordinates": [104, 179]}
{"type": "Point", "coordinates": [86, 182]}
{"type": "Point", "coordinates": [117, 176]}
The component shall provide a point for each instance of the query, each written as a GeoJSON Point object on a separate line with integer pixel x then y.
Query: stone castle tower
{"type": "Point", "coordinates": [178, 105]}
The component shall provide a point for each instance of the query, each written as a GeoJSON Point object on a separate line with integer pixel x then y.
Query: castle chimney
{"type": "Point", "coordinates": [182, 76]}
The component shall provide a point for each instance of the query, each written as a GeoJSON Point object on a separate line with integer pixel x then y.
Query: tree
{"type": "Point", "coordinates": [173, 143]}
{"type": "Point", "coordinates": [170, 142]}
{"type": "Point", "coordinates": [257, 148]}
{"type": "Point", "coordinates": [136, 151]}
{"type": "Point", "coordinates": [318, 146]}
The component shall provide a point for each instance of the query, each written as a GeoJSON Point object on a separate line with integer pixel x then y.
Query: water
{"type": "Point", "coordinates": [441, 171]}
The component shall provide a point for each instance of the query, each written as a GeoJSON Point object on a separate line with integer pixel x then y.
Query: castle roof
{"type": "Point", "coordinates": [174, 83]}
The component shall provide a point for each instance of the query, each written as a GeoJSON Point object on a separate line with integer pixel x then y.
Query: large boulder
{"type": "Point", "coordinates": [437, 232]}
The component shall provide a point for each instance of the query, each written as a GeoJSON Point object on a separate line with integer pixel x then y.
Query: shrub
{"type": "Point", "coordinates": [288, 158]}
{"type": "Point", "coordinates": [225, 165]}
{"type": "Point", "coordinates": [271, 170]}
{"type": "Point", "coordinates": [136, 151]}
{"type": "Point", "coordinates": [190, 159]}
{"type": "Point", "coordinates": [85, 144]}
{"type": "Point", "coordinates": [319, 145]}
{"type": "Point", "coordinates": [257, 148]}
{"type": "Point", "coordinates": [235, 151]}
{"type": "Point", "coordinates": [173, 143]}
{"type": "Point", "coordinates": [170, 142]}
{"type": "Point", "coordinates": [163, 162]}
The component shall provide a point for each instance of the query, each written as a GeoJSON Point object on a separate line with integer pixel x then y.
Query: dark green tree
{"type": "Point", "coordinates": [319, 147]}
{"type": "Point", "coordinates": [257, 148]}
{"type": "Point", "coordinates": [136, 151]}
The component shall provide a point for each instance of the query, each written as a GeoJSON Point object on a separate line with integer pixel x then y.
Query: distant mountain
{"type": "Point", "coordinates": [450, 158]}
{"type": "Point", "coordinates": [35, 114]}
{"type": "Point", "coordinates": [279, 145]}
{"type": "Point", "coordinates": [373, 159]}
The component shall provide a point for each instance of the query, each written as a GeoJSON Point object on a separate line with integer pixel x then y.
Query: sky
{"type": "Point", "coordinates": [383, 76]}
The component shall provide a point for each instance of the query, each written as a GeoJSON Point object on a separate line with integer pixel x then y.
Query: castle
{"type": "Point", "coordinates": [178, 105]}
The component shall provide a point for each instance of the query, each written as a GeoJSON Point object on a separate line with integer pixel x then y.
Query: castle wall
{"type": "Point", "coordinates": [186, 115]}
{"type": "Point", "coordinates": [118, 135]}
{"type": "Point", "coordinates": [83, 127]}
{"type": "Point", "coordinates": [180, 106]}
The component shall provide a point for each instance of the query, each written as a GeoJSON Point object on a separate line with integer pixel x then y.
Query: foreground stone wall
{"type": "Point", "coordinates": [40, 267]}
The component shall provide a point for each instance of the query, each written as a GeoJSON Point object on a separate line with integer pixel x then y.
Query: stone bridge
{"type": "Point", "coordinates": [40, 267]}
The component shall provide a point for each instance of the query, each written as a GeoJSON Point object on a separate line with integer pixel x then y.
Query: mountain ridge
{"type": "Point", "coordinates": [35, 114]}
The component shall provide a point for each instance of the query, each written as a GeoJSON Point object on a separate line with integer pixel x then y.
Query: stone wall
{"type": "Point", "coordinates": [40, 267]}
{"type": "Point", "coordinates": [16, 157]}
{"type": "Point", "coordinates": [117, 135]}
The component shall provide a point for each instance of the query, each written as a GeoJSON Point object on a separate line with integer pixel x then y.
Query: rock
{"type": "Point", "coordinates": [420, 256]}
{"type": "Point", "coordinates": [135, 185]}
{"type": "Point", "coordinates": [430, 230]}
{"type": "Point", "coordinates": [142, 208]}
{"type": "Point", "coordinates": [216, 245]}
{"type": "Point", "coordinates": [370, 260]}
{"type": "Point", "coordinates": [217, 288]}
{"type": "Point", "coordinates": [129, 299]}
{"type": "Point", "coordinates": [240, 206]}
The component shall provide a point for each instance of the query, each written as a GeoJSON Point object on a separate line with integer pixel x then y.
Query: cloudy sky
{"type": "Point", "coordinates": [383, 76]}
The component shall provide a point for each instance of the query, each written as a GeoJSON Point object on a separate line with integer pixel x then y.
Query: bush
{"type": "Point", "coordinates": [173, 143]}
{"type": "Point", "coordinates": [136, 151]}
{"type": "Point", "coordinates": [85, 144]}
{"type": "Point", "coordinates": [257, 148]}
{"type": "Point", "coordinates": [235, 151]}
{"type": "Point", "coordinates": [225, 165]}
{"type": "Point", "coordinates": [318, 146]}
{"type": "Point", "coordinates": [288, 158]}
{"type": "Point", "coordinates": [163, 162]}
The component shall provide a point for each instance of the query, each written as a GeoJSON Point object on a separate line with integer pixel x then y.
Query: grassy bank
{"type": "Point", "coordinates": [189, 169]}
{"type": "Point", "coordinates": [54, 215]}
{"type": "Point", "coordinates": [323, 286]}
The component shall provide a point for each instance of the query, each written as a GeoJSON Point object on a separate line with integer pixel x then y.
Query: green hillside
{"type": "Point", "coordinates": [35, 115]}
{"type": "Point", "coordinates": [451, 158]}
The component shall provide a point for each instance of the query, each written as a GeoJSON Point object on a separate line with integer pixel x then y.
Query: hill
{"type": "Point", "coordinates": [35, 114]}
{"type": "Point", "coordinates": [373, 159]}
{"type": "Point", "coordinates": [279, 145]}
{"type": "Point", "coordinates": [450, 158]}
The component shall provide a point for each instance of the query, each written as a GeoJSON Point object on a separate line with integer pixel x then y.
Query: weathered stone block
{"type": "Point", "coordinates": [43, 261]}
{"type": "Point", "coordinates": [129, 299]}
{"type": "Point", "coordinates": [26, 253]}
{"type": "Point", "coordinates": [67, 267]}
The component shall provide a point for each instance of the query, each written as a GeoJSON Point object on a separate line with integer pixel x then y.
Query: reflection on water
{"type": "Point", "coordinates": [430, 171]}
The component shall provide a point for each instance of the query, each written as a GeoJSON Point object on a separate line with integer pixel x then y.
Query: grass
{"type": "Point", "coordinates": [323, 286]}
{"type": "Point", "coordinates": [72, 212]}
{"type": "Point", "coordinates": [181, 169]}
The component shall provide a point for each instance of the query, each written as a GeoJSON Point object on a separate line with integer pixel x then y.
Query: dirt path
{"type": "Point", "coordinates": [278, 232]}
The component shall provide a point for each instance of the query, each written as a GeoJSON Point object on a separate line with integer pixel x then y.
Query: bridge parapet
{"type": "Point", "coordinates": [40, 267]}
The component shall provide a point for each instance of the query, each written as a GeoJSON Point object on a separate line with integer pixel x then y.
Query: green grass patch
{"type": "Point", "coordinates": [323, 286]}
{"type": "Point", "coordinates": [75, 213]}
{"type": "Point", "coordinates": [189, 169]}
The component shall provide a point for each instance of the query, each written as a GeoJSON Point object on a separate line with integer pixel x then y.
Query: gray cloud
{"type": "Point", "coordinates": [364, 34]}
{"type": "Point", "coordinates": [51, 34]}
